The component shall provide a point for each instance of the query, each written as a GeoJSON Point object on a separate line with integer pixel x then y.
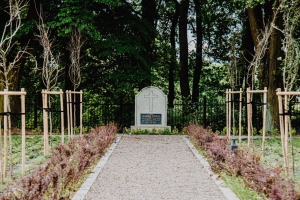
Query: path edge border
{"type": "Point", "coordinates": [85, 187]}
{"type": "Point", "coordinates": [228, 193]}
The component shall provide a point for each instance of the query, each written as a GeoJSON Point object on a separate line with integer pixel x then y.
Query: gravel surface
{"type": "Point", "coordinates": [153, 167]}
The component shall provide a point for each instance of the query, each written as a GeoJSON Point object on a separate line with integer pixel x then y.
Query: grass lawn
{"type": "Point", "coordinates": [274, 156]}
{"type": "Point", "coordinates": [34, 154]}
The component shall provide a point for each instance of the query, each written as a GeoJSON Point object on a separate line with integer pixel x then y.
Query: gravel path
{"type": "Point", "coordinates": [153, 167]}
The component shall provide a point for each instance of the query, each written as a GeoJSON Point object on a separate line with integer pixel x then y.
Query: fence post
{"type": "Point", "coordinates": [204, 111]}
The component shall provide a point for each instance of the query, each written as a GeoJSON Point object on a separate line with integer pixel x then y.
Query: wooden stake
{"type": "Point", "coordinates": [44, 118]}
{"type": "Point", "coordinates": [286, 133]}
{"type": "Point", "coordinates": [240, 115]}
{"type": "Point", "coordinates": [249, 115]}
{"type": "Point", "coordinates": [23, 131]}
{"type": "Point", "coordinates": [227, 126]}
{"type": "Point", "coordinates": [288, 93]}
{"type": "Point", "coordinates": [71, 114]}
{"type": "Point", "coordinates": [68, 114]}
{"type": "Point", "coordinates": [5, 136]}
{"type": "Point", "coordinates": [282, 127]}
{"type": "Point", "coordinates": [1, 167]}
{"type": "Point", "coordinates": [81, 113]}
{"type": "Point", "coordinates": [264, 122]}
{"type": "Point", "coordinates": [229, 113]}
{"type": "Point", "coordinates": [62, 116]}
{"type": "Point", "coordinates": [74, 113]}
{"type": "Point", "coordinates": [45, 106]}
{"type": "Point", "coordinates": [258, 91]}
{"type": "Point", "coordinates": [4, 161]}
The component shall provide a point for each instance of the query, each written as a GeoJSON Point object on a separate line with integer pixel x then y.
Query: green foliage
{"type": "Point", "coordinates": [37, 130]}
{"type": "Point", "coordinates": [154, 130]}
{"type": "Point", "coordinates": [166, 131]}
{"type": "Point", "coordinates": [214, 81]}
{"type": "Point", "coordinates": [126, 130]}
{"type": "Point", "coordinates": [145, 131]}
{"type": "Point", "coordinates": [80, 14]}
{"type": "Point", "coordinates": [275, 132]}
{"type": "Point", "coordinates": [85, 129]}
{"type": "Point", "coordinates": [117, 65]}
{"type": "Point", "coordinates": [223, 131]}
{"type": "Point", "coordinates": [250, 3]}
{"type": "Point", "coordinates": [237, 185]}
{"type": "Point", "coordinates": [133, 131]}
{"type": "Point", "coordinates": [160, 131]}
{"type": "Point", "coordinates": [175, 131]}
{"type": "Point", "coordinates": [140, 131]}
{"type": "Point", "coordinates": [254, 131]}
{"type": "Point", "coordinates": [34, 154]}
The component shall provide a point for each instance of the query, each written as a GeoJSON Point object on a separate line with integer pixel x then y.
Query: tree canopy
{"type": "Point", "coordinates": [184, 47]}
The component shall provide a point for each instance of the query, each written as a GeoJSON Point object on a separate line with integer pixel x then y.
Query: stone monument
{"type": "Point", "coordinates": [150, 110]}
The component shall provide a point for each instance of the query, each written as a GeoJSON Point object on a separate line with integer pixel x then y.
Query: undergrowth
{"type": "Point", "coordinates": [243, 163]}
{"type": "Point", "coordinates": [65, 167]}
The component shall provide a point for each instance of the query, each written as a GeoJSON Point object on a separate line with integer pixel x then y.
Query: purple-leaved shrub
{"type": "Point", "coordinates": [242, 162]}
{"type": "Point", "coordinates": [65, 166]}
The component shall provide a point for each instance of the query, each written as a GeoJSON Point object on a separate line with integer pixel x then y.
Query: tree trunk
{"type": "Point", "coordinates": [173, 63]}
{"type": "Point", "coordinates": [148, 14]}
{"type": "Point", "coordinates": [269, 65]}
{"type": "Point", "coordinates": [249, 52]}
{"type": "Point", "coordinates": [254, 24]}
{"type": "Point", "coordinates": [198, 66]}
{"type": "Point", "coordinates": [15, 101]}
{"type": "Point", "coordinates": [183, 41]}
{"type": "Point", "coordinates": [274, 79]}
{"type": "Point", "coordinates": [255, 19]}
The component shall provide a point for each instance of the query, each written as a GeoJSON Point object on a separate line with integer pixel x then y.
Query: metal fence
{"type": "Point", "coordinates": [98, 113]}
{"type": "Point", "coordinates": [207, 113]}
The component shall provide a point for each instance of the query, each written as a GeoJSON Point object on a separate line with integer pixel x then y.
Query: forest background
{"type": "Point", "coordinates": [187, 48]}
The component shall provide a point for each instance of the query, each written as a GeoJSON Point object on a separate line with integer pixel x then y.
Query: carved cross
{"type": "Point", "coordinates": [151, 97]}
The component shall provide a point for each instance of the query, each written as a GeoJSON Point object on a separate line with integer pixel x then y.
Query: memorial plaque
{"type": "Point", "coordinates": [150, 118]}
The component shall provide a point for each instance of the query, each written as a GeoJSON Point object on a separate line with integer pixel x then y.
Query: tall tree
{"type": "Point", "coordinates": [183, 42]}
{"type": "Point", "coordinates": [262, 30]}
{"type": "Point", "coordinates": [173, 63]}
{"type": "Point", "coordinates": [198, 64]}
{"type": "Point", "coordinates": [149, 15]}
{"type": "Point", "coordinates": [14, 47]}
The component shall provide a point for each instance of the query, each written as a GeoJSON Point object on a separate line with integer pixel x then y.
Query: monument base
{"type": "Point", "coordinates": [150, 129]}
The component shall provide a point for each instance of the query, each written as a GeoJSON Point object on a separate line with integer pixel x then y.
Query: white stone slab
{"type": "Point", "coordinates": [150, 109]}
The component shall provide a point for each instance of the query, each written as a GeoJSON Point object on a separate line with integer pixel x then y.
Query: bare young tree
{"type": "Point", "coordinates": [290, 45]}
{"type": "Point", "coordinates": [74, 47]}
{"type": "Point", "coordinates": [7, 43]}
{"type": "Point", "coordinates": [260, 50]}
{"type": "Point", "coordinates": [290, 68]}
{"type": "Point", "coordinates": [51, 68]}
{"type": "Point", "coordinates": [9, 67]}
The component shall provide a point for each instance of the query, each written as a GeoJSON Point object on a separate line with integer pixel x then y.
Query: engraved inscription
{"type": "Point", "coordinates": [150, 118]}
